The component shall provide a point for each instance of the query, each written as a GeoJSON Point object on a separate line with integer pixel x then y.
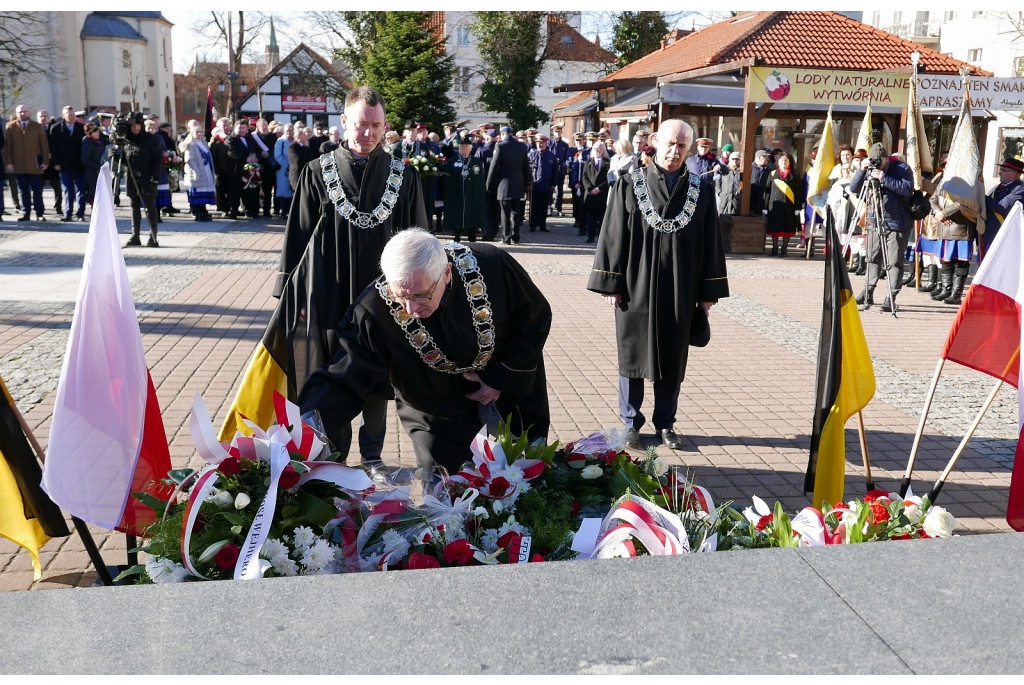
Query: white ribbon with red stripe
{"type": "Point", "coordinates": [660, 531]}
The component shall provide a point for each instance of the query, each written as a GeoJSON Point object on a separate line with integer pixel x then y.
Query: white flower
{"type": "Point", "coordinates": [616, 551]}
{"type": "Point", "coordinates": [318, 556]}
{"type": "Point", "coordinates": [370, 562]}
{"type": "Point", "coordinates": [394, 542]}
{"type": "Point", "coordinates": [513, 474]}
{"type": "Point", "coordinates": [913, 513]}
{"type": "Point", "coordinates": [660, 467]}
{"type": "Point", "coordinates": [242, 500]}
{"type": "Point", "coordinates": [939, 523]}
{"type": "Point", "coordinates": [497, 506]}
{"type": "Point", "coordinates": [284, 566]}
{"type": "Point", "coordinates": [490, 540]}
{"type": "Point", "coordinates": [481, 513]}
{"type": "Point", "coordinates": [222, 499]}
{"type": "Point", "coordinates": [591, 472]}
{"type": "Point", "coordinates": [162, 570]}
{"type": "Point", "coordinates": [304, 537]}
{"type": "Point", "coordinates": [273, 548]}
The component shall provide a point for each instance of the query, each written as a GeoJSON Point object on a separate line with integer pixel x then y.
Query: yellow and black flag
{"type": "Point", "coordinates": [845, 378]}
{"type": "Point", "coordinates": [28, 517]}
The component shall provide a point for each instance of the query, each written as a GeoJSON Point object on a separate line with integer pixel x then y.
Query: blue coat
{"type": "Point", "coordinates": [284, 188]}
{"type": "Point", "coordinates": [897, 184]}
{"type": "Point", "coordinates": [998, 204]}
{"type": "Point", "coordinates": [545, 169]}
{"type": "Point", "coordinates": [576, 164]}
{"type": "Point", "coordinates": [705, 166]}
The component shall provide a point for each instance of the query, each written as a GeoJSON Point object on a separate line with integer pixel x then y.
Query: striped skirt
{"type": "Point", "coordinates": [201, 197]}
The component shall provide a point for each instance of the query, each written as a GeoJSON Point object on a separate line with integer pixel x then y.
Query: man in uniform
{"type": "Point", "coordinates": [347, 203]}
{"type": "Point", "coordinates": [662, 268]}
{"type": "Point", "coordinates": [483, 324]}
{"type": "Point", "coordinates": [508, 177]}
{"type": "Point", "coordinates": [462, 189]}
{"type": "Point", "coordinates": [560, 148]}
{"type": "Point", "coordinates": [705, 163]}
{"type": "Point", "coordinates": [1000, 201]}
{"type": "Point", "coordinates": [578, 156]}
{"type": "Point", "coordinates": [545, 169]}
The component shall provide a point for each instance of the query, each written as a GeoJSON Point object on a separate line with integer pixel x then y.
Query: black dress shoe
{"type": "Point", "coordinates": [152, 243]}
{"type": "Point", "coordinates": [24, 217]}
{"type": "Point", "coordinates": [888, 305]}
{"type": "Point", "coordinates": [133, 242]}
{"type": "Point", "coordinates": [66, 218]}
{"type": "Point", "coordinates": [631, 439]}
{"type": "Point", "coordinates": [669, 439]}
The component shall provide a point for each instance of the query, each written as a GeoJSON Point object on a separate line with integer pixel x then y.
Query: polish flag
{"type": "Point", "coordinates": [986, 334]}
{"type": "Point", "coordinates": [107, 438]}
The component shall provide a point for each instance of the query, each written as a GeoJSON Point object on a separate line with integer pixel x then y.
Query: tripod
{"type": "Point", "coordinates": [871, 195]}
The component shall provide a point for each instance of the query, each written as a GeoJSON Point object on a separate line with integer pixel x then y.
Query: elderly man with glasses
{"type": "Point", "coordinates": [459, 333]}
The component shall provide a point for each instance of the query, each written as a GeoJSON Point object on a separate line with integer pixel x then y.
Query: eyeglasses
{"type": "Point", "coordinates": [425, 297]}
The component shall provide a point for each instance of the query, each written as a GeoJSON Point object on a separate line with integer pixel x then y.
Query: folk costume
{"type": "Point", "coordinates": [343, 213]}
{"type": "Point", "coordinates": [465, 199]}
{"type": "Point", "coordinates": [661, 251]}
{"type": "Point", "coordinates": [492, 320]}
{"type": "Point", "coordinates": [785, 197]}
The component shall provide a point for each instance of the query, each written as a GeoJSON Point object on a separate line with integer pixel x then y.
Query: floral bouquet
{"type": "Point", "coordinates": [427, 164]}
{"type": "Point", "coordinates": [252, 174]}
{"type": "Point", "coordinates": [173, 161]}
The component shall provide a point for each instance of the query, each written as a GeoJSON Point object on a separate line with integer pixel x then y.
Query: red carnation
{"type": "Point", "coordinates": [509, 538]}
{"type": "Point", "coordinates": [289, 478]}
{"type": "Point", "coordinates": [459, 552]}
{"type": "Point", "coordinates": [765, 520]}
{"type": "Point", "coordinates": [227, 557]}
{"type": "Point", "coordinates": [879, 514]}
{"type": "Point", "coordinates": [536, 558]}
{"type": "Point", "coordinates": [229, 467]}
{"type": "Point", "coordinates": [417, 560]}
{"type": "Point", "coordinates": [499, 487]}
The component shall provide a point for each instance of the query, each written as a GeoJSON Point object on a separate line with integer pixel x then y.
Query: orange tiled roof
{"type": "Point", "coordinates": [434, 22]}
{"type": "Point", "coordinates": [567, 44]}
{"type": "Point", "coordinates": [822, 40]}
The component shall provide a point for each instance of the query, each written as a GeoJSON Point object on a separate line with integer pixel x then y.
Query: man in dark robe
{"type": "Point", "coordinates": [462, 189]}
{"type": "Point", "coordinates": [662, 279]}
{"type": "Point", "coordinates": [481, 324]}
{"type": "Point", "coordinates": [344, 210]}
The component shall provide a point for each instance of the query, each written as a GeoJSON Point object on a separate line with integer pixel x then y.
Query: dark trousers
{"type": "Point", "coordinates": [895, 247]}
{"type": "Point", "coordinates": [631, 399]}
{"type": "Point", "coordinates": [234, 188]}
{"type": "Point", "coordinates": [73, 184]}
{"type": "Point", "coordinates": [31, 186]}
{"type": "Point", "coordinates": [148, 199]}
{"type": "Point", "coordinates": [13, 181]}
{"type": "Point", "coordinates": [557, 192]}
{"type": "Point", "coordinates": [221, 193]}
{"type": "Point", "coordinates": [539, 201]}
{"type": "Point", "coordinates": [269, 180]}
{"type": "Point", "coordinates": [595, 215]}
{"type": "Point", "coordinates": [372, 429]}
{"type": "Point", "coordinates": [511, 219]}
{"type": "Point", "coordinates": [251, 201]}
{"type": "Point", "coordinates": [491, 227]}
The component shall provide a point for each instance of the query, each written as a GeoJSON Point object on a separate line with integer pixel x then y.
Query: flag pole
{"type": "Point", "coordinates": [905, 484]}
{"type": "Point", "coordinates": [83, 531]}
{"type": "Point", "coordinates": [868, 480]}
{"type": "Point", "coordinates": [963, 443]}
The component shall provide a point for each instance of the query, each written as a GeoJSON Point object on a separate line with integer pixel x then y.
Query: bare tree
{"type": "Point", "coordinates": [238, 33]}
{"type": "Point", "coordinates": [26, 51]}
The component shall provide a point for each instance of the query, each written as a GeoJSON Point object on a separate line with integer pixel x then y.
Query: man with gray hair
{"type": "Point", "coordinates": [459, 333]}
{"type": "Point", "coordinates": [660, 263]}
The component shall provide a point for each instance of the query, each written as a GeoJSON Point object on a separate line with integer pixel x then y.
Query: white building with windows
{"type": "Point", "coordinates": [102, 61]}
{"type": "Point", "coordinates": [570, 58]}
{"type": "Point", "coordinates": [992, 40]}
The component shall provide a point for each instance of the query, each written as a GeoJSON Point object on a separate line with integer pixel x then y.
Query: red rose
{"type": "Point", "coordinates": [536, 558]}
{"type": "Point", "coordinates": [765, 520]}
{"type": "Point", "coordinates": [289, 478]}
{"type": "Point", "coordinates": [904, 536]}
{"type": "Point", "coordinates": [459, 552]}
{"type": "Point", "coordinates": [426, 538]}
{"type": "Point", "coordinates": [229, 467]}
{"type": "Point", "coordinates": [879, 514]}
{"type": "Point", "coordinates": [227, 557]}
{"type": "Point", "coordinates": [499, 486]}
{"type": "Point", "coordinates": [875, 494]}
{"type": "Point", "coordinates": [417, 560]}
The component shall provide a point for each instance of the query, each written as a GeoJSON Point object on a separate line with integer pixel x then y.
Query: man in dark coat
{"type": "Point", "coordinates": [1000, 201]}
{"type": "Point", "coordinates": [66, 151]}
{"type": "Point", "coordinates": [759, 182]}
{"type": "Point", "coordinates": [143, 155]}
{"type": "Point", "coordinates": [222, 166]}
{"type": "Point", "coordinates": [483, 324]}
{"type": "Point", "coordinates": [243, 149]}
{"type": "Point", "coordinates": [578, 156]}
{"type": "Point", "coordinates": [560, 149]}
{"type": "Point", "coordinates": [51, 176]}
{"type": "Point", "coordinates": [299, 155]}
{"type": "Point", "coordinates": [595, 189]}
{"type": "Point", "coordinates": [462, 189]}
{"type": "Point", "coordinates": [544, 164]}
{"type": "Point", "coordinates": [662, 270]}
{"type": "Point", "coordinates": [508, 178]}
{"type": "Point", "coordinates": [485, 152]}
{"type": "Point", "coordinates": [344, 211]}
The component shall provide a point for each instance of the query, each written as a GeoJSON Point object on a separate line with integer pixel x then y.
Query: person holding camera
{"type": "Point", "coordinates": [143, 154]}
{"type": "Point", "coordinates": [890, 184]}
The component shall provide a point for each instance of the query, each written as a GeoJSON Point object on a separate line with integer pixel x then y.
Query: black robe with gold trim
{"type": "Point", "coordinates": [659, 276]}
{"type": "Point", "coordinates": [374, 355]}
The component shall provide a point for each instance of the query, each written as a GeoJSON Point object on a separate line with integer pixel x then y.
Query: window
{"type": "Point", "coordinates": [1018, 65]}
{"type": "Point", "coordinates": [462, 35]}
{"type": "Point", "coordinates": [460, 80]}
{"type": "Point", "coordinates": [566, 40]}
{"type": "Point", "coordinates": [897, 17]}
{"type": "Point", "coordinates": [126, 58]}
{"type": "Point", "coordinates": [974, 55]}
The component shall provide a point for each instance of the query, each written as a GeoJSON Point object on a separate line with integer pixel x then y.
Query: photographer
{"type": "Point", "coordinates": [142, 155]}
{"type": "Point", "coordinates": [890, 184]}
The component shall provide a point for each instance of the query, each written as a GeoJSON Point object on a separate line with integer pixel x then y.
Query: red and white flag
{"type": "Point", "coordinates": [986, 334]}
{"type": "Point", "coordinates": [107, 438]}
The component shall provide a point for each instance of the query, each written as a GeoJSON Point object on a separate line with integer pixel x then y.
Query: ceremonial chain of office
{"type": "Point", "coordinates": [362, 220]}
{"type": "Point", "coordinates": [483, 315]}
{"type": "Point", "coordinates": [647, 208]}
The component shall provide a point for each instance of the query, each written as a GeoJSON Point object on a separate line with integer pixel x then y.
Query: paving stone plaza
{"type": "Point", "coordinates": [203, 300]}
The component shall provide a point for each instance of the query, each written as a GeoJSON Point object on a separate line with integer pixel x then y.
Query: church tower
{"type": "Point", "coordinates": [273, 53]}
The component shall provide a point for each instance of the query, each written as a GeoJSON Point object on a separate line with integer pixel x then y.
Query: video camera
{"type": "Point", "coordinates": [875, 162]}
{"type": "Point", "coordinates": [121, 125]}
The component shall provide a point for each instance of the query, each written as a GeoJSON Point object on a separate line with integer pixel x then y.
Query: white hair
{"type": "Point", "coordinates": [687, 130]}
{"type": "Point", "coordinates": [413, 251]}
